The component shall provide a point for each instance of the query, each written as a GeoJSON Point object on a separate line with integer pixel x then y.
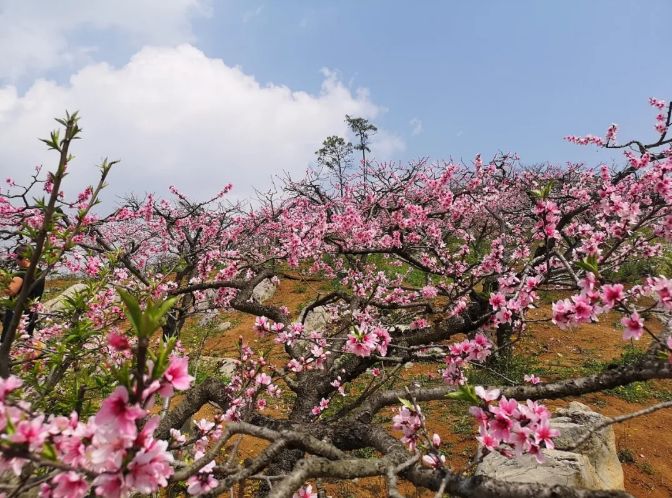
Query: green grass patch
{"type": "Point", "coordinates": [640, 392]}
{"type": "Point", "coordinates": [509, 369]}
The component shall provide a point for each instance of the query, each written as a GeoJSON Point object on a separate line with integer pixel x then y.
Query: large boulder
{"type": "Point", "coordinates": [58, 303]}
{"type": "Point", "coordinates": [594, 465]}
{"type": "Point", "coordinates": [263, 291]}
{"type": "Point", "coordinates": [316, 319]}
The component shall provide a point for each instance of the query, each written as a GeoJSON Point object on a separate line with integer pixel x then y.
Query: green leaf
{"type": "Point", "coordinates": [589, 264]}
{"type": "Point", "coordinates": [134, 313]}
{"type": "Point", "coordinates": [165, 307]}
{"type": "Point", "coordinates": [49, 452]}
{"type": "Point", "coordinates": [464, 393]}
{"type": "Point", "coordinates": [407, 404]}
{"type": "Point", "coordinates": [543, 192]}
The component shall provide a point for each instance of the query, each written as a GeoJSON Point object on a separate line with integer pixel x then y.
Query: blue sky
{"type": "Point", "coordinates": [441, 79]}
{"type": "Point", "coordinates": [515, 75]}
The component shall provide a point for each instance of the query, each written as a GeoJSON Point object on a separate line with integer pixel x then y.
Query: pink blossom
{"type": "Point", "coordinates": [177, 373]}
{"type": "Point", "coordinates": [361, 343]}
{"type": "Point", "coordinates": [409, 422]}
{"type": "Point", "coordinates": [486, 396]}
{"type": "Point", "coordinates": [116, 413]}
{"type": "Point", "coordinates": [429, 292]}
{"type": "Point", "coordinates": [31, 432]}
{"type": "Point", "coordinates": [532, 379]}
{"type": "Point", "coordinates": [563, 313]}
{"type": "Point", "coordinates": [420, 323]}
{"type": "Point", "coordinates": [263, 379]}
{"type": "Point", "coordinates": [611, 294]}
{"type": "Point", "coordinates": [487, 440]}
{"type": "Point", "coordinates": [70, 485]}
{"type": "Point", "coordinates": [118, 341]}
{"type": "Point", "coordinates": [497, 300]}
{"type": "Point", "coordinates": [262, 324]}
{"type": "Point", "coordinates": [8, 385]}
{"type": "Point", "coordinates": [150, 468]}
{"type": "Point", "coordinates": [324, 404]}
{"type": "Point", "coordinates": [177, 436]}
{"type": "Point", "coordinates": [633, 326]}
{"type": "Point", "coordinates": [203, 482]}
{"type": "Point", "coordinates": [295, 365]}
{"type": "Point", "coordinates": [204, 425]}
{"type": "Point", "coordinates": [110, 486]}
{"type": "Point", "coordinates": [305, 492]}
{"type": "Point", "coordinates": [479, 414]}
{"type": "Point", "coordinates": [433, 461]}
{"type": "Point", "coordinates": [657, 103]}
{"type": "Point", "coordinates": [545, 434]}
{"type": "Point", "coordinates": [383, 338]}
{"type": "Point", "coordinates": [583, 310]}
{"type": "Point", "coordinates": [662, 287]}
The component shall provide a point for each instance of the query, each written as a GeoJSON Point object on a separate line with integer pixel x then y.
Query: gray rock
{"type": "Point", "coordinates": [58, 303]}
{"type": "Point", "coordinates": [263, 291]}
{"type": "Point", "coordinates": [317, 318]}
{"type": "Point", "coordinates": [224, 326]}
{"type": "Point", "coordinates": [207, 318]}
{"type": "Point", "coordinates": [228, 366]}
{"type": "Point", "coordinates": [560, 467]}
{"type": "Point", "coordinates": [431, 352]}
{"type": "Point", "coordinates": [594, 465]}
{"type": "Point", "coordinates": [225, 366]}
{"type": "Point", "coordinates": [206, 302]}
{"type": "Point", "coordinates": [600, 448]}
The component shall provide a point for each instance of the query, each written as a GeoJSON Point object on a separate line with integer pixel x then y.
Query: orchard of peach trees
{"type": "Point", "coordinates": [439, 263]}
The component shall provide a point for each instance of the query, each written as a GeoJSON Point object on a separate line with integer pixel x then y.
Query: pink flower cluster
{"type": "Point", "coordinates": [109, 451]}
{"type": "Point", "coordinates": [584, 307]}
{"type": "Point", "coordinates": [513, 428]}
{"type": "Point", "coordinates": [305, 492]}
{"type": "Point", "coordinates": [549, 215]}
{"type": "Point", "coordinates": [661, 119]}
{"type": "Point", "coordinates": [365, 340]}
{"type": "Point", "coordinates": [433, 459]}
{"type": "Point", "coordinates": [595, 300]}
{"type": "Point", "coordinates": [660, 288]}
{"type": "Point", "coordinates": [611, 133]}
{"type": "Point", "coordinates": [585, 140]}
{"type": "Point", "coordinates": [324, 404]}
{"type": "Point", "coordinates": [409, 420]}
{"type": "Point", "coordinates": [460, 354]}
{"type": "Point", "coordinates": [203, 481]}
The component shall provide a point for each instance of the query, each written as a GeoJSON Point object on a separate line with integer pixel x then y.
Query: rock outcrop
{"type": "Point", "coordinates": [594, 465]}
{"type": "Point", "coordinates": [263, 291]}
{"type": "Point", "coordinates": [59, 302]}
{"type": "Point", "coordinates": [316, 319]}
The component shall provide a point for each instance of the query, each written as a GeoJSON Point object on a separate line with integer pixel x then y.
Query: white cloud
{"type": "Point", "coordinates": [385, 144]}
{"type": "Point", "coordinates": [416, 126]}
{"type": "Point", "coordinates": [38, 35]}
{"type": "Point", "coordinates": [175, 116]}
